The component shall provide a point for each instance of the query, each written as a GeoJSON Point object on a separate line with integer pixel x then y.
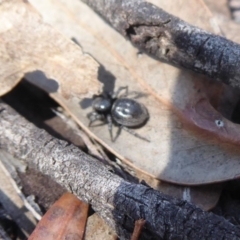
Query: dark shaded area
{"type": "Point", "coordinates": [11, 225]}
{"type": "Point", "coordinates": [107, 79]}
{"type": "Point", "coordinates": [229, 203]}
{"type": "Point", "coordinates": [86, 103]}
{"type": "Point", "coordinates": [32, 103]}
{"type": "Point", "coordinates": [236, 114]}
{"type": "Point", "coordinates": [11, 228]}
{"type": "Point", "coordinates": [37, 107]}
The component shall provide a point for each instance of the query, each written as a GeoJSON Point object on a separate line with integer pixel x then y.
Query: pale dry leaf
{"type": "Point", "coordinates": [178, 151]}
{"type": "Point", "coordinates": [97, 229]}
{"type": "Point", "coordinates": [202, 194]}
{"type": "Point", "coordinates": [29, 46]}
{"type": "Point", "coordinates": [222, 15]}
{"type": "Point", "coordinates": [194, 12]}
{"type": "Point", "coordinates": [53, 63]}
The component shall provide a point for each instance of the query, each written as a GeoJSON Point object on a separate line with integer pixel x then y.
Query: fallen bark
{"type": "Point", "coordinates": [168, 38]}
{"type": "Point", "coordinates": [117, 201]}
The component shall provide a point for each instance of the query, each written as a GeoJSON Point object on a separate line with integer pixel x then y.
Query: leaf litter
{"type": "Point", "coordinates": [175, 98]}
{"type": "Point", "coordinates": [179, 152]}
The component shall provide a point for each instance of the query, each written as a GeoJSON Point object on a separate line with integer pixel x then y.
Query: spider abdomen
{"type": "Point", "coordinates": [129, 113]}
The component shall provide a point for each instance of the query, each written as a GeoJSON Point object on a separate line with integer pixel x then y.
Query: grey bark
{"type": "Point", "coordinates": [3, 234]}
{"type": "Point", "coordinates": [168, 38]}
{"type": "Point", "coordinates": [117, 201]}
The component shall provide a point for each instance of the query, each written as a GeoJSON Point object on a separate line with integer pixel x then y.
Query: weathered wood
{"type": "Point", "coordinates": [117, 201]}
{"type": "Point", "coordinates": [172, 40]}
{"type": "Point", "coordinates": [3, 234]}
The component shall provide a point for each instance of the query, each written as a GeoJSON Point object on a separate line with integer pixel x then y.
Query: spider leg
{"type": "Point", "coordinates": [116, 94]}
{"type": "Point", "coordinates": [117, 134]}
{"type": "Point", "coordinates": [137, 94]}
{"type": "Point", "coordinates": [134, 133]}
{"type": "Point", "coordinates": [109, 121]}
{"type": "Point", "coordinates": [94, 116]}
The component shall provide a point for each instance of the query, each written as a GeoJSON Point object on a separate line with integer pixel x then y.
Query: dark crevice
{"type": "Point", "coordinates": [47, 142]}
{"type": "Point", "coordinates": [202, 46]}
{"type": "Point", "coordinates": [220, 60]}
{"type": "Point", "coordinates": [167, 21]}
{"type": "Point", "coordinates": [147, 39]}
{"type": "Point", "coordinates": [236, 114]}
{"type": "Point", "coordinates": [167, 51]}
{"type": "Point", "coordinates": [130, 31]}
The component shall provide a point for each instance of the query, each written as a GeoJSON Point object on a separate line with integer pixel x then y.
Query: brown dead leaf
{"type": "Point", "coordinates": [176, 99]}
{"type": "Point", "coordinates": [66, 219]}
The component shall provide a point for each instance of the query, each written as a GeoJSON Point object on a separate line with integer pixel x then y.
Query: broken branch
{"type": "Point", "coordinates": [170, 39]}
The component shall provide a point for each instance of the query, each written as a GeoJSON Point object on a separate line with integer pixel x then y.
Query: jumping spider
{"type": "Point", "coordinates": [120, 110]}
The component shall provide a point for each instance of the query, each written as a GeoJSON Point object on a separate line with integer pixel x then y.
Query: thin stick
{"type": "Point", "coordinates": [139, 224]}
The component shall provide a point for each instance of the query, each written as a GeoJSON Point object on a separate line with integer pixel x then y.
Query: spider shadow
{"type": "Point", "coordinates": [104, 76]}
{"type": "Point", "coordinates": [107, 79]}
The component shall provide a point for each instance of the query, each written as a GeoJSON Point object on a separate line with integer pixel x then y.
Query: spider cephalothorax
{"type": "Point", "coordinates": [119, 109]}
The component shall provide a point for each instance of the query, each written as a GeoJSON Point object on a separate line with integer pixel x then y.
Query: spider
{"type": "Point", "coordinates": [119, 110]}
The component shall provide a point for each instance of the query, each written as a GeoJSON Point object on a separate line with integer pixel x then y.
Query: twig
{"type": "Point", "coordinates": [139, 224]}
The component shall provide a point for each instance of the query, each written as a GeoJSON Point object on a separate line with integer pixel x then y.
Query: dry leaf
{"type": "Point", "coordinates": [175, 153]}
{"type": "Point", "coordinates": [176, 99]}
{"type": "Point", "coordinates": [66, 219]}
{"type": "Point", "coordinates": [30, 46]}
{"type": "Point", "coordinates": [221, 13]}
{"type": "Point", "coordinates": [97, 229]}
